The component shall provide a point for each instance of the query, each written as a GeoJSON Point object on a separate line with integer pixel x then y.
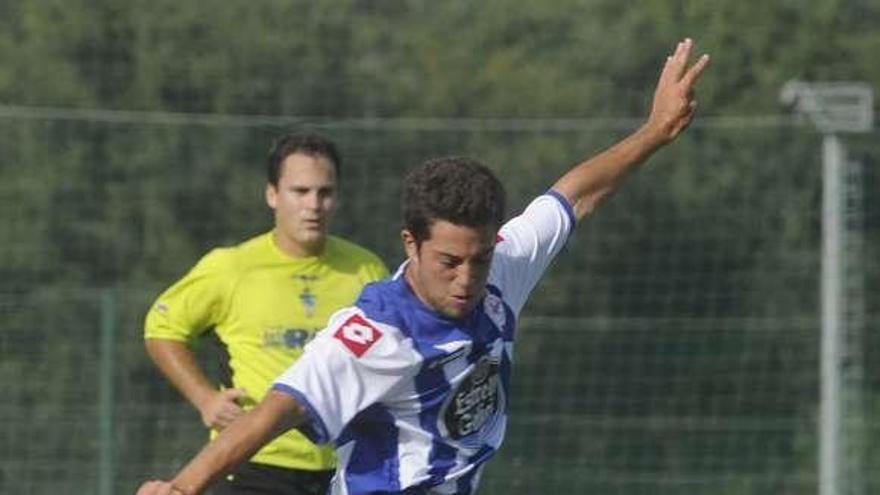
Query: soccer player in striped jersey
{"type": "Point", "coordinates": [411, 383]}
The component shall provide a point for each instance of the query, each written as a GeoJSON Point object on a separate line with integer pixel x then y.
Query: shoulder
{"type": "Point", "coordinates": [257, 243]}
{"type": "Point", "coordinates": [248, 252]}
{"type": "Point", "coordinates": [230, 260]}
{"type": "Point", "coordinates": [382, 301]}
{"type": "Point", "coordinates": [548, 219]}
{"type": "Point", "coordinates": [548, 209]}
{"type": "Point", "coordinates": [339, 246]}
{"type": "Point", "coordinates": [355, 336]}
{"type": "Point", "coordinates": [527, 244]}
{"type": "Point", "coordinates": [344, 252]}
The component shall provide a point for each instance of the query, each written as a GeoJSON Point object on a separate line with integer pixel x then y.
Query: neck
{"type": "Point", "coordinates": [414, 286]}
{"type": "Point", "coordinates": [297, 249]}
{"type": "Point", "coordinates": [410, 280]}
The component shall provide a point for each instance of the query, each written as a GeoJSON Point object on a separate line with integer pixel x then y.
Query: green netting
{"type": "Point", "coordinates": [672, 348]}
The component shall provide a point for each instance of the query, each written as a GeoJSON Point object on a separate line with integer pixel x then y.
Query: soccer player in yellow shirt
{"type": "Point", "coordinates": [265, 298]}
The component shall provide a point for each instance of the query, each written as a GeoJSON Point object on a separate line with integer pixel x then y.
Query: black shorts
{"type": "Point", "coordinates": [261, 479]}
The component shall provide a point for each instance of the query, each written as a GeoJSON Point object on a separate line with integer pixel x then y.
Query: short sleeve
{"type": "Point", "coordinates": [528, 243]}
{"type": "Point", "coordinates": [351, 365]}
{"type": "Point", "coordinates": [194, 303]}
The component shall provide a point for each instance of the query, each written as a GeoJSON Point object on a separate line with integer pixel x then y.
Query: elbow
{"type": "Point", "coordinates": [588, 204]}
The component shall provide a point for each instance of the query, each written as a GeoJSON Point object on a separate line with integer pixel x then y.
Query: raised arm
{"type": "Point", "coordinates": [275, 414]}
{"type": "Point", "coordinates": [591, 182]}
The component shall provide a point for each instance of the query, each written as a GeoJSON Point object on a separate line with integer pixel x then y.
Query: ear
{"type": "Point", "coordinates": [271, 195]}
{"type": "Point", "coordinates": [410, 246]}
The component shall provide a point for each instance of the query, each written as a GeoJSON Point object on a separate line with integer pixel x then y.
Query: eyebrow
{"type": "Point", "coordinates": [485, 253]}
{"type": "Point", "coordinates": [299, 187]}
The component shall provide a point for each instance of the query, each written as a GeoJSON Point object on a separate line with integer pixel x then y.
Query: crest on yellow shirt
{"type": "Point", "coordinates": [307, 297]}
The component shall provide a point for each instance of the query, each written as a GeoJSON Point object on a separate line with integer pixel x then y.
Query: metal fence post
{"type": "Point", "coordinates": [833, 107]}
{"type": "Point", "coordinates": [106, 474]}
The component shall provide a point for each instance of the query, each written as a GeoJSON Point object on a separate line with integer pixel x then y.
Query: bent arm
{"type": "Point", "coordinates": [591, 182]}
{"type": "Point", "coordinates": [178, 363]}
{"type": "Point", "coordinates": [275, 414]}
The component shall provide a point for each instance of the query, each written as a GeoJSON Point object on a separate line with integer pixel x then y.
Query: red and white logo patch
{"type": "Point", "coordinates": [358, 335]}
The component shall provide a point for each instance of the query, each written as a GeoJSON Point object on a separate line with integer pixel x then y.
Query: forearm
{"type": "Point", "coordinates": [235, 444]}
{"type": "Point", "coordinates": [591, 182]}
{"type": "Point", "coordinates": [672, 110]}
{"type": "Point", "coordinates": [276, 414]}
{"type": "Point", "coordinates": [178, 363]}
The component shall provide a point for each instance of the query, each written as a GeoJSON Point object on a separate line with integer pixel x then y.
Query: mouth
{"type": "Point", "coordinates": [461, 300]}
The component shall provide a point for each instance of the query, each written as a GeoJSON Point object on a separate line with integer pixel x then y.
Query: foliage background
{"type": "Point", "coordinates": [673, 347]}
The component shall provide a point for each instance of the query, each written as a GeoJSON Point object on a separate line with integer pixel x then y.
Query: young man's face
{"type": "Point", "coordinates": [304, 201]}
{"type": "Point", "coordinates": [449, 270]}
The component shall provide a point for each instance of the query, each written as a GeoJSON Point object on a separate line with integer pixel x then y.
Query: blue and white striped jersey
{"type": "Point", "coordinates": [416, 402]}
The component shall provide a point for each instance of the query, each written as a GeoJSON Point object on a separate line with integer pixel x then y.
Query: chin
{"type": "Point", "coordinates": [457, 313]}
{"type": "Point", "coordinates": [312, 237]}
{"type": "Point", "coordinates": [312, 243]}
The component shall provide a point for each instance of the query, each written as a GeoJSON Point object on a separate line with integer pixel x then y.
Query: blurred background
{"type": "Point", "coordinates": [694, 337]}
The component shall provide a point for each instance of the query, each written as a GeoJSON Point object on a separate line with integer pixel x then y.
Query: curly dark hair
{"type": "Point", "coordinates": [458, 189]}
{"type": "Point", "coordinates": [305, 142]}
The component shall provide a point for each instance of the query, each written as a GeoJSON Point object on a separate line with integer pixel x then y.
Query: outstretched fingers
{"type": "Point", "coordinates": [676, 70]}
{"type": "Point", "coordinates": [674, 102]}
{"type": "Point", "coordinates": [676, 63]}
{"type": "Point", "coordinates": [690, 78]}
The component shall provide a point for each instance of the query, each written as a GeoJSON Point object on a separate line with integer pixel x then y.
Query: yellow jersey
{"type": "Point", "coordinates": [265, 306]}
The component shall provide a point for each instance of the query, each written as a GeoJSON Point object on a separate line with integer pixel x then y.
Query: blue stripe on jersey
{"type": "Point", "coordinates": [433, 389]}
{"type": "Point", "coordinates": [507, 336]}
{"type": "Point", "coordinates": [314, 428]}
{"type": "Point", "coordinates": [509, 330]}
{"type": "Point", "coordinates": [430, 383]}
{"type": "Point", "coordinates": [466, 484]}
{"type": "Point", "coordinates": [504, 370]}
{"type": "Point", "coordinates": [373, 466]}
{"type": "Point", "coordinates": [483, 330]}
{"type": "Point", "coordinates": [441, 458]}
{"type": "Point", "coordinates": [565, 205]}
{"type": "Point", "coordinates": [396, 305]}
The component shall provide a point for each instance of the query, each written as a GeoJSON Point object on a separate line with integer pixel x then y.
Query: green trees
{"type": "Point", "coordinates": [133, 134]}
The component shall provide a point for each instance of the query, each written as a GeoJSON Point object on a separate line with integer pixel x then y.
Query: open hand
{"type": "Point", "coordinates": [674, 104]}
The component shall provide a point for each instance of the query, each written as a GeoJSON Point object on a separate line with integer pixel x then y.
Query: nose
{"type": "Point", "coordinates": [468, 277]}
{"type": "Point", "coordinates": [313, 201]}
